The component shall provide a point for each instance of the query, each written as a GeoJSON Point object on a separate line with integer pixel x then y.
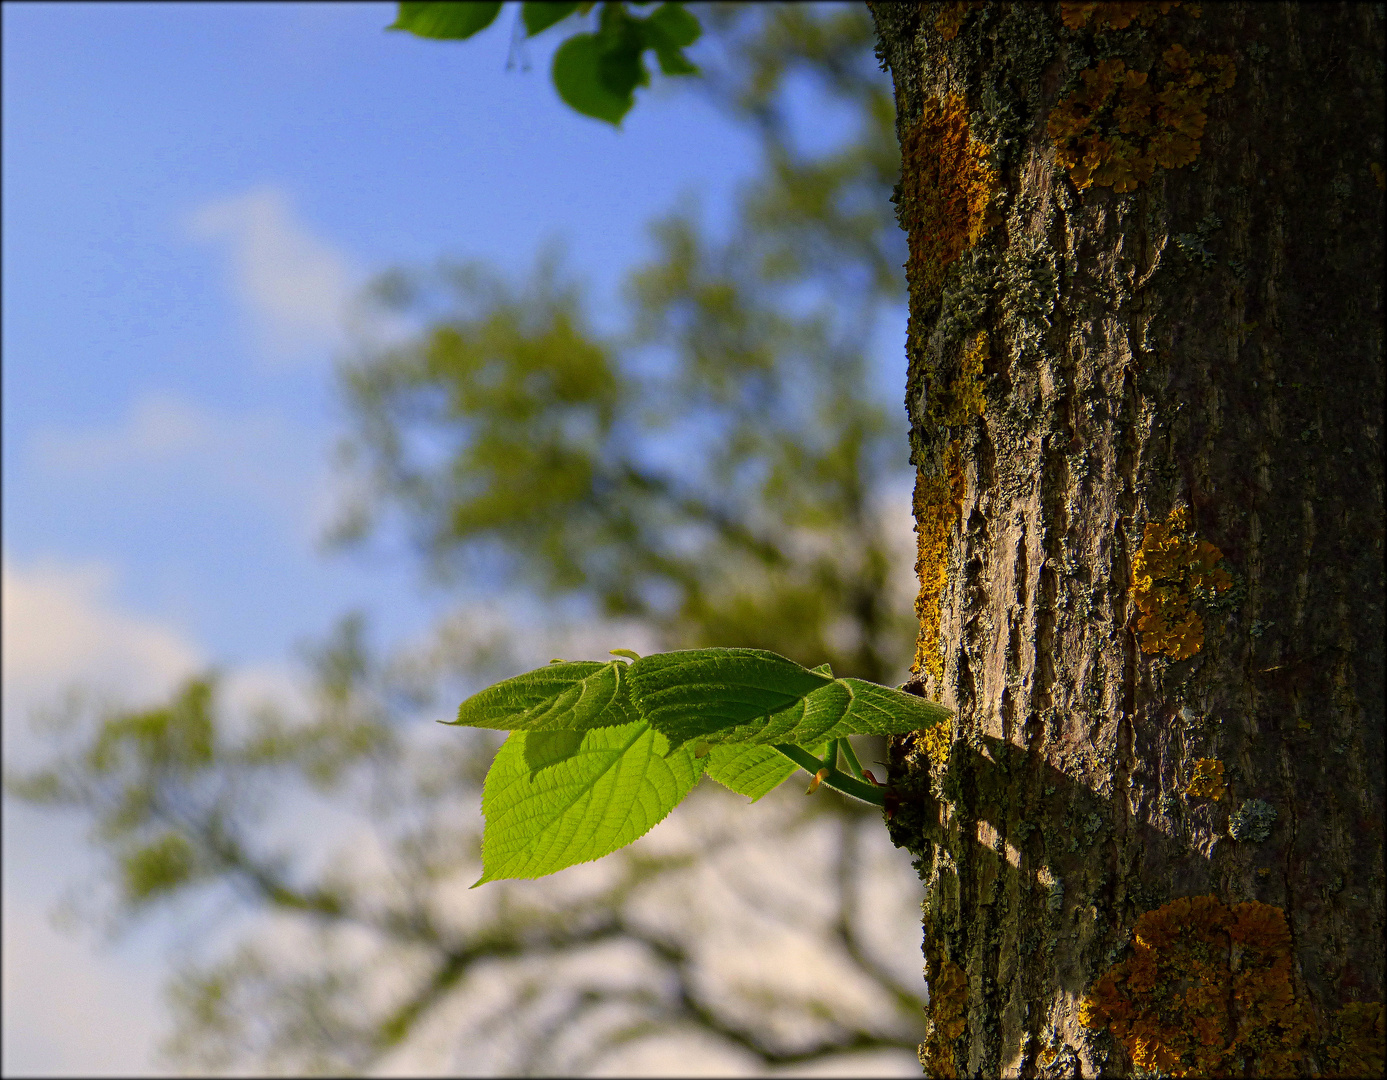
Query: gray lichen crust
{"type": "Point", "coordinates": [1253, 821]}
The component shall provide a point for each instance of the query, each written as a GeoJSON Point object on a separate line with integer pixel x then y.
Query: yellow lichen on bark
{"type": "Point", "coordinates": [938, 502]}
{"type": "Point", "coordinates": [1207, 782]}
{"type": "Point", "coordinates": [1172, 569]}
{"type": "Point", "coordinates": [1120, 126]}
{"type": "Point", "coordinates": [948, 1016]}
{"type": "Point", "coordinates": [946, 191]}
{"type": "Point", "coordinates": [962, 400]}
{"type": "Point", "coordinates": [1117, 15]}
{"type": "Point", "coordinates": [1207, 991]}
{"type": "Point", "coordinates": [937, 741]}
{"type": "Point", "coordinates": [950, 16]}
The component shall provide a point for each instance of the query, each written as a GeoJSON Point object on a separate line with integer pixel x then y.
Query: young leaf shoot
{"type": "Point", "coordinates": [600, 752]}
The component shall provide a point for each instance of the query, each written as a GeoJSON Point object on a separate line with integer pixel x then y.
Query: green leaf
{"type": "Point", "coordinates": [751, 770]}
{"type": "Point", "coordinates": [545, 748]}
{"type": "Point", "coordinates": [618, 784]}
{"type": "Point", "coordinates": [667, 31]}
{"type": "Point", "coordinates": [673, 62]}
{"type": "Point", "coordinates": [539, 16]}
{"type": "Point", "coordinates": [446, 21]}
{"type": "Point", "coordinates": [572, 695]}
{"type": "Point", "coordinates": [578, 79]}
{"type": "Point", "coordinates": [696, 692]}
{"type": "Point", "coordinates": [620, 41]}
{"type": "Point", "coordinates": [845, 707]}
{"type": "Point", "coordinates": [676, 24]}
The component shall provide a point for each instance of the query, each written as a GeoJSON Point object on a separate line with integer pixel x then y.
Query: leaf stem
{"type": "Point", "coordinates": [850, 757]}
{"type": "Point", "coordinates": [839, 781]}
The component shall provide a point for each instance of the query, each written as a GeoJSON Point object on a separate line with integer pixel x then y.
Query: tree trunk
{"type": "Point", "coordinates": [1146, 401]}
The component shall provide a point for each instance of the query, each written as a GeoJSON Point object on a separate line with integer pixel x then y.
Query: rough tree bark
{"type": "Point", "coordinates": [1146, 402]}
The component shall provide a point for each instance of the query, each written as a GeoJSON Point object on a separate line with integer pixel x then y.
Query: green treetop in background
{"type": "Point", "coordinates": [514, 437]}
{"type": "Point", "coordinates": [712, 473]}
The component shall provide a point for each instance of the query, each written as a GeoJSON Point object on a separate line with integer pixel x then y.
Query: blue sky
{"type": "Point", "coordinates": [146, 334]}
{"type": "Point", "coordinates": [193, 193]}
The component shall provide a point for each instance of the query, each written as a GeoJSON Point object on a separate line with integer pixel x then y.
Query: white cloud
{"type": "Point", "coordinates": [69, 1011]}
{"type": "Point", "coordinates": [295, 286]}
{"type": "Point", "coordinates": [68, 1008]}
{"type": "Point", "coordinates": [160, 426]}
{"type": "Point", "coordinates": [63, 628]}
{"type": "Point", "coordinates": [168, 446]}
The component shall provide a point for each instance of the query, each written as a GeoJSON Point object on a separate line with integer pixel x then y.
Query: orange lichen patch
{"type": "Point", "coordinates": [1119, 127]}
{"type": "Point", "coordinates": [1273, 1026]}
{"type": "Point", "coordinates": [1200, 918]}
{"type": "Point", "coordinates": [946, 191]}
{"type": "Point", "coordinates": [1115, 16]}
{"type": "Point", "coordinates": [1357, 1045]}
{"type": "Point", "coordinates": [938, 503]}
{"type": "Point", "coordinates": [950, 16]}
{"type": "Point", "coordinates": [962, 400]}
{"type": "Point", "coordinates": [1207, 782]}
{"type": "Point", "coordinates": [1207, 991]}
{"type": "Point", "coordinates": [1172, 569]}
{"type": "Point", "coordinates": [948, 1016]}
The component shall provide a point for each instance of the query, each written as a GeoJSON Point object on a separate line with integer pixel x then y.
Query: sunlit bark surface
{"type": "Point", "coordinates": [1146, 398]}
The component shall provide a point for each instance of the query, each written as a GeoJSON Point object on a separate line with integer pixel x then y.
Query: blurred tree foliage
{"type": "Point", "coordinates": [514, 437]}
{"type": "Point", "coordinates": [713, 474]}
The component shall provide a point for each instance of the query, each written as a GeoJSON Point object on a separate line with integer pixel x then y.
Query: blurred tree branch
{"type": "Point", "coordinates": [714, 476]}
